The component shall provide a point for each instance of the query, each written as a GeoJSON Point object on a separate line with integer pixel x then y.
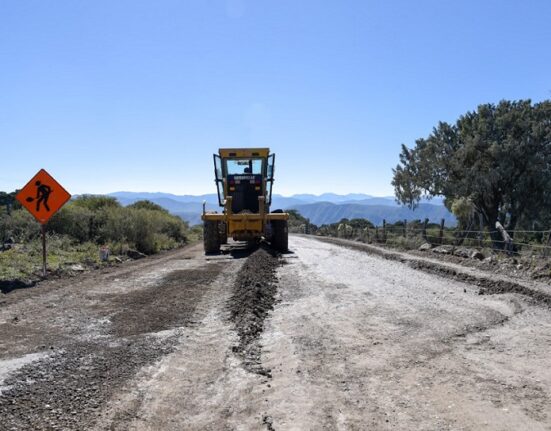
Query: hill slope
{"type": "Point", "coordinates": [319, 211]}
{"type": "Point", "coordinates": [327, 212]}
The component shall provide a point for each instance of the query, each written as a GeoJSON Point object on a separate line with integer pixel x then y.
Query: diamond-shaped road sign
{"type": "Point", "coordinates": [43, 196]}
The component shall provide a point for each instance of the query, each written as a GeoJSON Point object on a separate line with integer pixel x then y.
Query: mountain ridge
{"type": "Point", "coordinates": [320, 209]}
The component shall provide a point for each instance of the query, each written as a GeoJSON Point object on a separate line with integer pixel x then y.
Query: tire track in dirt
{"type": "Point", "coordinates": [70, 388]}
{"type": "Point", "coordinates": [163, 307]}
{"type": "Point", "coordinates": [202, 384]}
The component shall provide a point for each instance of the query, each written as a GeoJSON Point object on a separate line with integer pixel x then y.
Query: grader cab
{"type": "Point", "coordinates": [244, 178]}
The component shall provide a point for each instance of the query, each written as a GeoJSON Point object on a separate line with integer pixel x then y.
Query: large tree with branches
{"type": "Point", "coordinates": [497, 158]}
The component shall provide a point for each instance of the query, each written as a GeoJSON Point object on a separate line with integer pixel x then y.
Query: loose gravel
{"type": "Point", "coordinates": [254, 295]}
{"type": "Point", "coordinates": [71, 385]}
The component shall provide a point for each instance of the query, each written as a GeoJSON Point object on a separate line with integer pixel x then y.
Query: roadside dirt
{"type": "Point", "coordinates": [358, 342]}
{"type": "Point", "coordinates": [324, 338]}
{"type": "Point", "coordinates": [92, 337]}
{"type": "Point", "coordinates": [490, 282]}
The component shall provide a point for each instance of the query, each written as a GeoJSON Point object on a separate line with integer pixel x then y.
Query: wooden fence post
{"type": "Point", "coordinates": [441, 233]}
{"type": "Point", "coordinates": [376, 233]}
{"type": "Point", "coordinates": [546, 250]}
{"type": "Point", "coordinates": [424, 233]}
{"type": "Point", "coordinates": [506, 238]}
{"type": "Point", "coordinates": [481, 233]}
{"type": "Point", "coordinates": [384, 230]}
{"type": "Point", "coordinates": [405, 228]}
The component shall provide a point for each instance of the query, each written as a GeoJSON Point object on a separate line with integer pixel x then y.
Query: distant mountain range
{"type": "Point", "coordinates": [320, 209]}
{"type": "Point", "coordinates": [328, 212]}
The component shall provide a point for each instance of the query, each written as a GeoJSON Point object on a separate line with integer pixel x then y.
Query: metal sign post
{"type": "Point", "coordinates": [44, 250]}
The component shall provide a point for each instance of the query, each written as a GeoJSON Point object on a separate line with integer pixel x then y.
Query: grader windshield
{"type": "Point", "coordinates": [245, 166]}
{"type": "Point", "coordinates": [244, 179]}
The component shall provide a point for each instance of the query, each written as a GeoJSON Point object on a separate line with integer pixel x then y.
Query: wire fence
{"type": "Point", "coordinates": [414, 234]}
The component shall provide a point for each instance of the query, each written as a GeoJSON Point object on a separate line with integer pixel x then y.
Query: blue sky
{"type": "Point", "coordinates": [136, 95]}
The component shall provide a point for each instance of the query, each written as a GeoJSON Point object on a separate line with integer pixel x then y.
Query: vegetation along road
{"type": "Point", "coordinates": [324, 337]}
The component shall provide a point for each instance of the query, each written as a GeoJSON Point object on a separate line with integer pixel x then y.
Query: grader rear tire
{"type": "Point", "coordinates": [211, 236]}
{"type": "Point", "coordinates": [280, 235]}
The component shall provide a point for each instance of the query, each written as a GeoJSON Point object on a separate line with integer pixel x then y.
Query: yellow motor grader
{"type": "Point", "coordinates": [244, 178]}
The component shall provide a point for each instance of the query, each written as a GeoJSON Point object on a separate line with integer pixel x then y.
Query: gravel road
{"type": "Point", "coordinates": [322, 338]}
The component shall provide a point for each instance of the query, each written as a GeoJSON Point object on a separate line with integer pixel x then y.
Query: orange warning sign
{"type": "Point", "coordinates": [43, 196]}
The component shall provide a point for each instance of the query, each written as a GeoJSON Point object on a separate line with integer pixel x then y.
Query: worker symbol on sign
{"type": "Point", "coordinates": [42, 195]}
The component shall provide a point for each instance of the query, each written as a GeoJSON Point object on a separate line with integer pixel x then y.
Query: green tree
{"type": "Point", "coordinates": [8, 201]}
{"type": "Point", "coordinates": [94, 203]}
{"type": "Point", "coordinates": [299, 224]}
{"type": "Point", "coordinates": [498, 158]}
{"type": "Point", "coordinates": [359, 223]}
{"type": "Point", "coordinates": [147, 205]}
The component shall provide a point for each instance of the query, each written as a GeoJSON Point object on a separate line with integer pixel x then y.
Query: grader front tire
{"type": "Point", "coordinates": [211, 236]}
{"type": "Point", "coordinates": [280, 235]}
{"type": "Point", "coordinates": [223, 232]}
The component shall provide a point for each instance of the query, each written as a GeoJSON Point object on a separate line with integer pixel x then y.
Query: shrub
{"type": "Point", "coordinates": [20, 225]}
{"type": "Point", "coordinates": [148, 230]}
{"type": "Point", "coordinates": [151, 227]}
{"type": "Point", "coordinates": [75, 221]}
{"type": "Point", "coordinates": [117, 225]}
{"type": "Point", "coordinates": [94, 203]}
{"type": "Point", "coordinates": [409, 243]}
{"type": "Point", "coordinates": [89, 219]}
{"type": "Point", "coordinates": [147, 205]}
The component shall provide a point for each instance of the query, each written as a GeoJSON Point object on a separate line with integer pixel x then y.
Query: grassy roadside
{"type": "Point", "coordinates": [21, 266]}
{"type": "Point", "coordinates": [24, 261]}
{"type": "Point", "coordinates": [79, 231]}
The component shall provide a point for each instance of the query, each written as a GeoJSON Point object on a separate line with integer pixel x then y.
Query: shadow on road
{"type": "Point", "coordinates": [6, 286]}
{"type": "Point", "coordinates": [243, 249]}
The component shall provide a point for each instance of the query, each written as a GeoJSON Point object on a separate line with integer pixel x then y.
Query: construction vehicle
{"type": "Point", "coordinates": [244, 178]}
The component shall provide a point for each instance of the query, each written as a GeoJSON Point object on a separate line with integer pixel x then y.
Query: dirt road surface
{"type": "Point", "coordinates": [322, 338]}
